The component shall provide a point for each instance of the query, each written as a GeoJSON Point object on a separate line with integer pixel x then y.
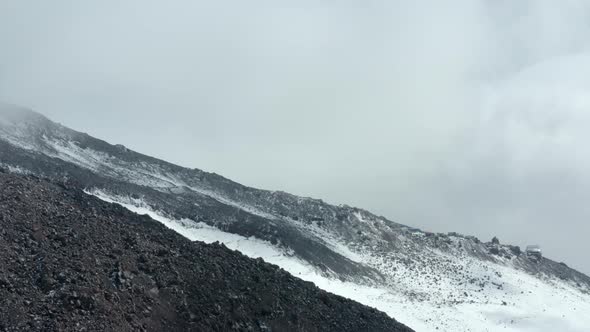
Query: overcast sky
{"type": "Point", "coordinates": [468, 115]}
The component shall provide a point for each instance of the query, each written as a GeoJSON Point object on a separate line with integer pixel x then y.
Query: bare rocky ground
{"type": "Point", "coordinates": [70, 262]}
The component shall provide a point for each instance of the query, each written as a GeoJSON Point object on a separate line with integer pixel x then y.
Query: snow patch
{"type": "Point", "coordinates": [15, 169]}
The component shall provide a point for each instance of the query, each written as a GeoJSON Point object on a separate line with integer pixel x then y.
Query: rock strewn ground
{"type": "Point", "coordinates": [71, 262]}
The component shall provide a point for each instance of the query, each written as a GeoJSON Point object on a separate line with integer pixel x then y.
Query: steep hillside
{"type": "Point", "coordinates": [466, 283]}
{"type": "Point", "coordinates": [72, 262]}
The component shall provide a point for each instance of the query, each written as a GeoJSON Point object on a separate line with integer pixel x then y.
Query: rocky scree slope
{"type": "Point", "coordinates": [343, 242]}
{"type": "Point", "coordinates": [70, 261]}
{"type": "Point", "coordinates": [31, 143]}
{"type": "Point", "coordinates": [448, 282]}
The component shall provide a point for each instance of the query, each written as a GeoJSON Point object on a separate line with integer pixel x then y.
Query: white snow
{"type": "Point", "coordinates": [531, 304]}
{"type": "Point", "coordinates": [15, 169]}
{"type": "Point", "coordinates": [226, 201]}
{"type": "Point", "coordinates": [70, 152]}
{"type": "Point", "coordinates": [331, 241]}
{"type": "Point", "coordinates": [198, 231]}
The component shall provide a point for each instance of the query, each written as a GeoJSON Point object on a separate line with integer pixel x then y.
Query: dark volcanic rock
{"type": "Point", "coordinates": [72, 262]}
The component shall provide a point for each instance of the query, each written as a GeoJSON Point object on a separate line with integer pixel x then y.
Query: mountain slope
{"type": "Point", "coordinates": [470, 285]}
{"type": "Point", "coordinates": [71, 262]}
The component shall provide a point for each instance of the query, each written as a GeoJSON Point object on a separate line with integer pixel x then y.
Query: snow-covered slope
{"type": "Point", "coordinates": [518, 302]}
{"type": "Point", "coordinates": [447, 282]}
